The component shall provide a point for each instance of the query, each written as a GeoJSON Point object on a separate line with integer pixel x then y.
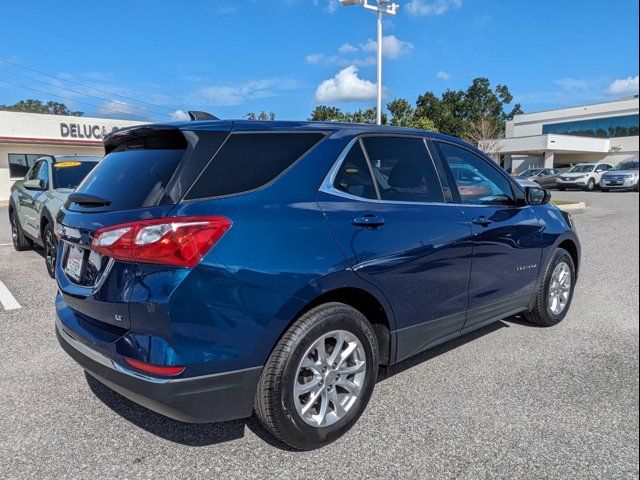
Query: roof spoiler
{"type": "Point", "coordinates": [195, 115]}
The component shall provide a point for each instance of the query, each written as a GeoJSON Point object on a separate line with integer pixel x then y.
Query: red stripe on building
{"type": "Point", "coordinates": [55, 141]}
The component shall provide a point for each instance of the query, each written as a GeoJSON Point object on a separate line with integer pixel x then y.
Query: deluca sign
{"type": "Point", "coordinates": [85, 131]}
{"type": "Point", "coordinates": [60, 129]}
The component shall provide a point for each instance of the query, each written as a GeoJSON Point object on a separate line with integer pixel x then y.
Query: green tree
{"type": "Point", "coordinates": [404, 115]}
{"type": "Point", "coordinates": [323, 113]}
{"type": "Point", "coordinates": [37, 106]}
{"type": "Point", "coordinates": [260, 116]}
{"type": "Point", "coordinates": [365, 116]}
{"type": "Point", "coordinates": [456, 110]}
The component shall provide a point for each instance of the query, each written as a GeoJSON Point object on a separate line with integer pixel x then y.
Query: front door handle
{"type": "Point", "coordinates": [482, 221]}
{"type": "Point", "coordinates": [369, 220]}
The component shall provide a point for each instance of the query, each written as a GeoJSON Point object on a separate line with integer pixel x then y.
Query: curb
{"type": "Point", "coordinates": [573, 207]}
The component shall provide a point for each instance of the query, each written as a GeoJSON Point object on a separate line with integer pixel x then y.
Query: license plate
{"type": "Point", "coordinates": [74, 262]}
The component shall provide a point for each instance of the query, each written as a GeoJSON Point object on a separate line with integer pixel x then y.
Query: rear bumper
{"type": "Point", "coordinates": [204, 399]}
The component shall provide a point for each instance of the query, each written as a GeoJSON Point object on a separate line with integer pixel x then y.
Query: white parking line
{"type": "Point", "coordinates": [7, 299]}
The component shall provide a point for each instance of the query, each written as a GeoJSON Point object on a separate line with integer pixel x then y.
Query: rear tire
{"type": "Point", "coordinates": [591, 185]}
{"type": "Point", "coordinates": [20, 241]}
{"type": "Point", "coordinates": [556, 291]}
{"type": "Point", "coordinates": [297, 361]}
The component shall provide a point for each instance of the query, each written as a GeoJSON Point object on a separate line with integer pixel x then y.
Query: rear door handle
{"type": "Point", "coordinates": [483, 221]}
{"type": "Point", "coordinates": [369, 220]}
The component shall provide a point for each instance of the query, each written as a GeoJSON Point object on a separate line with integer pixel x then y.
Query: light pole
{"type": "Point", "coordinates": [383, 7]}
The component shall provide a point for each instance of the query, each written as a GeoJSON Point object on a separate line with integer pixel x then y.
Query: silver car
{"type": "Point", "coordinates": [624, 176]}
{"type": "Point", "coordinates": [544, 177]}
{"type": "Point", "coordinates": [36, 200]}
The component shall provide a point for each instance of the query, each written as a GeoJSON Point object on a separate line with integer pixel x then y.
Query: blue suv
{"type": "Point", "coordinates": [211, 269]}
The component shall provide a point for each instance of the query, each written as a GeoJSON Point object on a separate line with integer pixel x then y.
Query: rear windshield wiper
{"type": "Point", "coordinates": [88, 199]}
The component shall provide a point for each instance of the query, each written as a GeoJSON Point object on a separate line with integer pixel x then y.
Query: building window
{"type": "Point", "coordinates": [20, 163]}
{"type": "Point", "coordinates": [611, 127]}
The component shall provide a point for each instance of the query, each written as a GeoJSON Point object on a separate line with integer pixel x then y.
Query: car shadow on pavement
{"type": "Point", "coordinates": [386, 373]}
{"type": "Point", "coordinates": [189, 434]}
{"type": "Point", "coordinates": [199, 435]}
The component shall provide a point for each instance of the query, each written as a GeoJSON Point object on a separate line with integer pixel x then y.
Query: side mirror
{"type": "Point", "coordinates": [537, 196]}
{"type": "Point", "coordinates": [33, 184]}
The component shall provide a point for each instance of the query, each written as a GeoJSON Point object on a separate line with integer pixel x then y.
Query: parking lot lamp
{"type": "Point", "coordinates": [382, 7]}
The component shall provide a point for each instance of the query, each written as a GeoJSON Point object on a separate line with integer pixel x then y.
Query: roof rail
{"type": "Point", "coordinates": [196, 115]}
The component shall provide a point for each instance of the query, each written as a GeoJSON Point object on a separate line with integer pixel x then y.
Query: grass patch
{"type": "Point", "coordinates": [556, 201]}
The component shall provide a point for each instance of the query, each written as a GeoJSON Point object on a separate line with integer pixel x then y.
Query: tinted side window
{"type": "Point", "coordinates": [403, 169]}
{"type": "Point", "coordinates": [354, 176]}
{"type": "Point", "coordinates": [478, 182]}
{"type": "Point", "coordinates": [249, 161]}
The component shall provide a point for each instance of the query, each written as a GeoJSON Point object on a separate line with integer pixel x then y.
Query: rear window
{"type": "Point", "coordinates": [70, 174]}
{"type": "Point", "coordinates": [251, 160]}
{"type": "Point", "coordinates": [132, 178]}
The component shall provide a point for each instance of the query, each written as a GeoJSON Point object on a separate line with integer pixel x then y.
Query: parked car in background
{"type": "Point", "coordinates": [273, 266]}
{"type": "Point", "coordinates": [585, 176]}
{"type": "Point", "coordinates": [545, 177]}
{"type": "Point", "coordinates": [624, 176]}
{"type": "Point", "coordinates": [36, 200]}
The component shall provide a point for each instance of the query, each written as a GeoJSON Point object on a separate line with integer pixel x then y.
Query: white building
{"type": "Point", "coordinates": [560, 138]}
{"type": "Point", "coordinates": [24, 137]}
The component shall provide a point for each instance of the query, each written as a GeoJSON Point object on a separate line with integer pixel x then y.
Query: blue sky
{"type": "Point", "coordinates": [287, 56]}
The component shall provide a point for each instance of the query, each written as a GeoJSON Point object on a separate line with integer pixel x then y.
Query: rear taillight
{"type": "Point", "coordinates": [178, 241]}
{"type": "Point", "coordinates": [158, 370]}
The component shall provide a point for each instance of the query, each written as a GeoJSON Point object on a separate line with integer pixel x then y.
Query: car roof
{"type": "Point", "coordinates": [262, 125]}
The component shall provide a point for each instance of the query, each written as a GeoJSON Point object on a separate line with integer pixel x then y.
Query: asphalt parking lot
{"type": "Point", "coordinates": [508, 401]}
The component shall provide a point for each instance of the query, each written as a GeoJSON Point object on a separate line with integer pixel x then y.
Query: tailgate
{"type": "Point", "coordinates": [95, 286]}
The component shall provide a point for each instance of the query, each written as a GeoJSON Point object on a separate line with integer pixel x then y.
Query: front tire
{"type": "Point", "coordinates": [20, 241]}
{"type": "Point", "coordinates": [556, 291]}
{"type": "Point", "coordinates": [310, 393]}
{"type": "Point", "coordinates": [50, 249]}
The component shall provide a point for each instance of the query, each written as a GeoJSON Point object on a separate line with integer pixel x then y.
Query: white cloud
{"type": "Point", "coordinates": [572, 83]}
{"type": "Point", "coordinates": [346, 86]}
{"type": "Point", "coordinates": [392, 46]}
{"type": "Point", "coordinates": [180, 115]}
{"type": "Point", "coordinates": [314, 58]}
{"type": "Point", "coordinates": [623, 86]}
{"type": "Point", "coordinates": [442, 75]}
{"type": "Point", "coordinates": [422, 8]}
{"type": "Point", "coordinates": [347, 48]}
{"type": "Point", "coordinates": [238, 94]}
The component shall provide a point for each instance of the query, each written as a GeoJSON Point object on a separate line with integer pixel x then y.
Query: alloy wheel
{"type": "Point", "coordinates": [329, 378]}
{"type": "Point", "coordinates": [560, 288]}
